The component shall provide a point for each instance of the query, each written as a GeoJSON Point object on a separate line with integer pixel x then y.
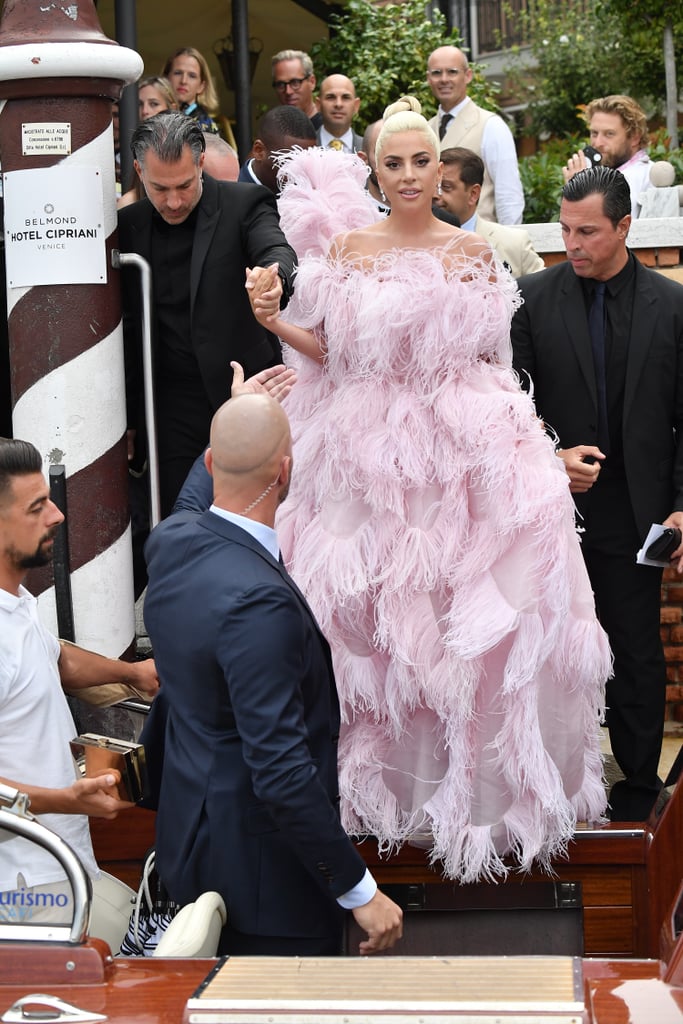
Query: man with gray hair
{"type": "Point", "coordinates": [200, 236]}
{"type": "Point", "coordinates": [294, 82]}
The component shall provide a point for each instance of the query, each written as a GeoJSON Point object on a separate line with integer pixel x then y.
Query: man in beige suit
{"type": "Point", "coordinates": [461, 182]}
{"type": "Point", "coordinates": [460, 122]}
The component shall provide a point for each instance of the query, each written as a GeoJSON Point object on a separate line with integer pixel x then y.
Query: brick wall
{"type": "Point", "coordinates": [671, 618]}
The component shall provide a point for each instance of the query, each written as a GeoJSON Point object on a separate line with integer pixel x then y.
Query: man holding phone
{"type": "Point", "coordinates": [601, 339]}
{"type": "Point", "coordinates": [618, 138]}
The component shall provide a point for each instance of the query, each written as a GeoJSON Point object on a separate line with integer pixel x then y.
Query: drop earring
{"type": "Point", "coordinates": [439, 190]}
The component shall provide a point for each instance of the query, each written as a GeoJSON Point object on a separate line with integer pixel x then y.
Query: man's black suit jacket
{"type": "Point", "coordinates": [248, 723]}
{"type": "Point", "coordinates": [552, 345]}
{"type": "Point", "coordinates": [237, 227]}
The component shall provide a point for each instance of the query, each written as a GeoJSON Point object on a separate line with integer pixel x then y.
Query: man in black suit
{"type": "Point", "coordinates": [607, 377]}
{"type": "Point", "coordinates": [249, 723]}
{"type": "Point", "coordinates": [280, 130]}
{"type": "Point", "coordinates": [200, 236]}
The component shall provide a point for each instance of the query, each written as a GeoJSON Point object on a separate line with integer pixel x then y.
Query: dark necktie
{"type": "Point", "coordinates": [443, 125]}
{"type": "Point", "coordinates": [596, 327]}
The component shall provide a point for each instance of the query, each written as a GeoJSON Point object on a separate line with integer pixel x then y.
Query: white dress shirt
{"type": "Point", "coordinates": [346, 139]}
{"type": "Point", "coordinates": [637, 173]}
{"type": "Point", "coordinates": [500, 157]}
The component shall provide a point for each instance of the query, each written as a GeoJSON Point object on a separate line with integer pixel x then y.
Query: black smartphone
{"type": "Point", "coordinates": [663, 548]}
{"type": "Point", "coordinates": [592, 155]}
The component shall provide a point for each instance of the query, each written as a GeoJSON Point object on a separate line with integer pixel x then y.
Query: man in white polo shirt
{"type": "Point", "coordinates": [35, 721]}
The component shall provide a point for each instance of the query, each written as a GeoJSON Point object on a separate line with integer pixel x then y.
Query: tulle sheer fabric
{"type": "Point", "coordinates": [431, 527]}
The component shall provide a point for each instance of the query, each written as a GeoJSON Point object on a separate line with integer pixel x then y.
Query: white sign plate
{"type": "Point", "coordinates": [54, 226]}
{"type": "Point", "coordinates": [46, 138]}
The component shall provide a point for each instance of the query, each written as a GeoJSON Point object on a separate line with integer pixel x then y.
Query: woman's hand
{"type": "Point", "coordinates": [264, 289]}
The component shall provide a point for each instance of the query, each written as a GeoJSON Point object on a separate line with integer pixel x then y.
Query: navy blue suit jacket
{"type": "Point", "coordinates": [247, 722]}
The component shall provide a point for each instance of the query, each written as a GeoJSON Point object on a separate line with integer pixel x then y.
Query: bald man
{"type": "Point", "coordinates": [220, 159]}
{"type": "Point", "coordinates": [249, 721]}
{"type": "Point", "coordinates": [460, 122]}
{"type": "Point", "coordinates": [338, 106]}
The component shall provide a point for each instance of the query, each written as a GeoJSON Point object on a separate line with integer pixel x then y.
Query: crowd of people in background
{"type": "Point", "coordinates": [617, 126]}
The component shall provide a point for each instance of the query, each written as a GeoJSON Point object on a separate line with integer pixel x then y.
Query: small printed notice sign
{"type": "Point", "coordinates": [54, 226]}
{"type": "Point", "coordinates": [46, 138]}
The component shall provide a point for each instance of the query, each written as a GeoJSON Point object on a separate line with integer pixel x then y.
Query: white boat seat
{"type": "Point", "coordinates": [112, 903]}
{"type": "Point", "coordinates": [196, 928]}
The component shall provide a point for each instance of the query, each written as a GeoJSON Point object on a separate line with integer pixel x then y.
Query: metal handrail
{"type": "Point", "coordinates": [132, 259]}
{"type": "Point", "coordinates": [15, 817]}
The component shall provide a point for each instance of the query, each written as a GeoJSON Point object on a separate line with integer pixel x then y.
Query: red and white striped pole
{"type": "Point", "coordinates": [58, 77]}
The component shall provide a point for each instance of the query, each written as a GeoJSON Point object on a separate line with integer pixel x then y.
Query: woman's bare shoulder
{"type": "Point", "coordinates": [468, 243]}
{"type": "Point", "coordinates": [466, 247]}
{"type": "Point", "coordinates": [358, 243]}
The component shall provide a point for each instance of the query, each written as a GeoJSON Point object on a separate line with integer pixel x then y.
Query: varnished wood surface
{"type": "Point", "coordinates": [630, 992]}
{"type": "Point", "coordinates": [40, 964]}
{"type": "Point", "coordinates": [629, 873]}
{"type": "Point", "coordinates": [121, 845]}
{"type": "Point", "coordinates": [135, 991]}
{"type": "Point", "coordinates": [151, 991]}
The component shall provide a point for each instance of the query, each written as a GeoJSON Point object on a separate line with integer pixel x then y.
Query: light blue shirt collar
{"type": "Point", "coordinates": [265, 535]}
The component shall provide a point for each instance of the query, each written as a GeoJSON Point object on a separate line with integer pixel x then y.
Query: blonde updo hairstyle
{"type": "Point", "coordinates": [405, 115]}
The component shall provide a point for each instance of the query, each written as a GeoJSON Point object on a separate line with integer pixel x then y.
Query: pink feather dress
{"type": "Point", "coordinates": [431, 527]}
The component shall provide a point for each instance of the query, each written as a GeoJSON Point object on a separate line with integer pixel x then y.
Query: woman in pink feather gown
{"type": "Point", "coordinates": [431, 527]}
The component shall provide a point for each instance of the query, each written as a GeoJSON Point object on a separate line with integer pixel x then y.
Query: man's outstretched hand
{"type": "Point", "coordinates": [276, 381]}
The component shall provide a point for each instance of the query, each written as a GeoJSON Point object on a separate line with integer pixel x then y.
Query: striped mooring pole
{"type": "Point", "coordinates": [58, 77]}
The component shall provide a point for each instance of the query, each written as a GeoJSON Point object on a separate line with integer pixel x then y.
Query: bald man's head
{"type": "Point", "coordinates": [338, 104]}
{"type": "Point", "coordinates": [250, 450]}
{"type": "Point", "coordinates": [220, 159]}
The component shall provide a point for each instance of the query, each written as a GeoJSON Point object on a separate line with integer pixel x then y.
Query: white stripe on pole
{"type": "Point", "coordinates": [108, 576]}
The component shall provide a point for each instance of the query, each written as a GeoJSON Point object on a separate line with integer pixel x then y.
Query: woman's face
{"type": "Point", "coordinates": [186, 78]}
{"type": "Point", "coordinates": [408, 169]}
{"type": "Point", "coordinates": [150, 102]}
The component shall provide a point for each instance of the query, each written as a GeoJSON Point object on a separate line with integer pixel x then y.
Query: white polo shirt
{"type": "Point", "coordinates": [35, 728]}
